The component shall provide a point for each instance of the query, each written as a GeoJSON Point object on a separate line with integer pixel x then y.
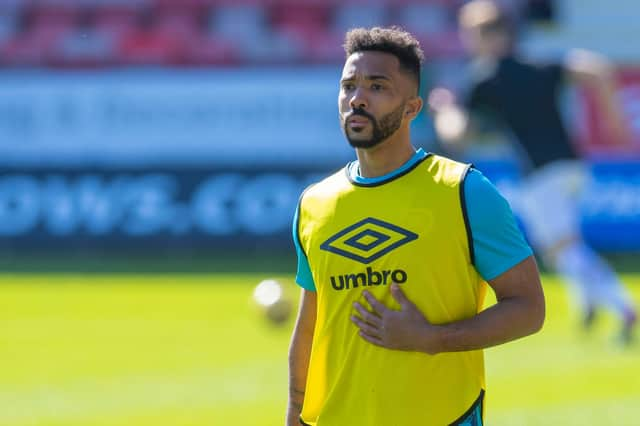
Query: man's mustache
{"type": "Point", "coordinates": [360, 112]}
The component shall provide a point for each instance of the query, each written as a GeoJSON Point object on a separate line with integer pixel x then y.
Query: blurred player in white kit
{"type": "Point", "coordinates": [522, 97]}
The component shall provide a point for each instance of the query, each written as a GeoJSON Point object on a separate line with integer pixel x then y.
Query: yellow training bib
{"type": "Point", "coordinates": [412, 230]}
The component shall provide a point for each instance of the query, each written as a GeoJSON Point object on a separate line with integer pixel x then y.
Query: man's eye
{"type": "Point", "coordinates": [347, 87]}
{"type": "Point", "coordinates": [376, 86]}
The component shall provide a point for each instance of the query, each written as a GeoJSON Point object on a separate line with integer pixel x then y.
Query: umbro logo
{"type": "Point", "coordinates": [368, 240]}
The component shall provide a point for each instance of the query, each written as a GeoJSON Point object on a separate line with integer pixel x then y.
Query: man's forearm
{"type": "Point", "coordinates": [294, 408]}
{"type": "Point", "coordinates": [299, 354]}
{"type": "Point", "coordinates": [508, 320]}
{"type": "Point", "coordinates": [607, 93]}
{"type": "Point", "coordinates": [520, 311]}
{"type": "Point", "coordinates": [598, 73]}
{"type": "Point", "coordinates": [298, 364]}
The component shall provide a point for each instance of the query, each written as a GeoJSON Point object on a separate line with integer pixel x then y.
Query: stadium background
{"type": "Point", "coordinates": [151, 156]}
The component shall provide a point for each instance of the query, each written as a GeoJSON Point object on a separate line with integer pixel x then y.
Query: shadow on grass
{"type": "Point", "coordinates": [160, 261]}
{"type": "Point", "coordinates": [196, 261]}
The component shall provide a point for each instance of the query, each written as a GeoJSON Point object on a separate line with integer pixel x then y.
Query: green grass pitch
{"type": "Point", "coordinates": [187, 350]}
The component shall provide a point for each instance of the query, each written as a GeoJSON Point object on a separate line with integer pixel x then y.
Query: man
{"type": "Point", "coordinates": [522, 98]}
{"type": "Point", "coordinates": [393, 252]}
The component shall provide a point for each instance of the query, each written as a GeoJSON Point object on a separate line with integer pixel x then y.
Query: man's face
{"type": "Point", "coordinates": [482, 29]}
{"type": "Point", "coordinates": [373, 95]}
{"type": "Point", "coordinates": [484, 43]}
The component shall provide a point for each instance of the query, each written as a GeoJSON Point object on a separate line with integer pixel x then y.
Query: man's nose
{"type": "Point", "coordinates": [358, 100]}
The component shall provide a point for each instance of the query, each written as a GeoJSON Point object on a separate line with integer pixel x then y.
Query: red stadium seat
{"type": "Point", "coordinates": [203, 51]}
{"type": "Point", "coordinates": [326, 48]}
{"type": "Point", "coordinates": [301, 15]}
{"type": "Point", "coordinates": [51, 20]}
{"type": "Point", "coordinates": [40, 29]}
{"type": "Point", "coordinates": [148, 47]}
{"type": "Point", "coordinates": [180, 23]}
{"type": "Point", "coordinates": [209, 32]}
{"type": "Point", "coordinates": [184, 27]}
{"type": "Point", "coordinates": [305, 23]}
{"type": "Point", "coordinates": [30, 48]}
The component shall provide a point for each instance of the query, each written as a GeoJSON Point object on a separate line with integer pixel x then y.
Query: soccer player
{"type": "Point", "coordinates": [394, 255]}
{"type": "Point", "coordinates": [522, 97]}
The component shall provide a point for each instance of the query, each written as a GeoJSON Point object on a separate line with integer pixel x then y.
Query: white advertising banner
{"type": "Point", "coordinates": [205, 117]}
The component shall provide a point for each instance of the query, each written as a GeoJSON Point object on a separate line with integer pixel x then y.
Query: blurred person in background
{"type": "Point", "coordinates": [522, 98]}
{"type": "Point", "coordinates": [394, 254]}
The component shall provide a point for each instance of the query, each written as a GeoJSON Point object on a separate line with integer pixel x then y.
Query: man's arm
{"type": "Point", "coordinates": [456, 127]}
{"type": "Point", "coordinates": [450, 120]}
{"type": "Point", "coordinates": [520, 311]}
{"type": "Point", "coordinates": [299, 354]}
{"type": "Point", "coordinates": [596, 72]}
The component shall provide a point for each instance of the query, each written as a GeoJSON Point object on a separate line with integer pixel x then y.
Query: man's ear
{"type": "Point", "coordinates": [413, 107]}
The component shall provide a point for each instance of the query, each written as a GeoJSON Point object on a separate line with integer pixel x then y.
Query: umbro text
{"type": "Point", "coordinates": [368, 278]}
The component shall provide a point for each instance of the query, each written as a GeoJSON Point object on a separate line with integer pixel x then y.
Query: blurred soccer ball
{"type": "Point", "coordinates": [271, 299]}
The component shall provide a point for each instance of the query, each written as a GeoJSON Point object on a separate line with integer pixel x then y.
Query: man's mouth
{"type": "Point", "coordinates": [358, 122]}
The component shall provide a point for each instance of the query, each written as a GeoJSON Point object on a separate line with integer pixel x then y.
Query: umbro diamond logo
{"type": "Point", "coordinates": [368, 240]}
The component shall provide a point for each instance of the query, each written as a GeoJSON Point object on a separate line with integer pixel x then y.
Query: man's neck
{"type": "Point", "coordinates": [384, 158]}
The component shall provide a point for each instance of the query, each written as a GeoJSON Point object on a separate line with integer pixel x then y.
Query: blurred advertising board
{"type": "Point", "coordinates": [232, 208]}
{"type": "Point", "coordinates": [138, 208]}
{"type": "Point", "coordinates": [205, 158]}
{"type": "Point", "coordinates": [609, 206]}
{"type": "Point", "coordinates": [204, 117]}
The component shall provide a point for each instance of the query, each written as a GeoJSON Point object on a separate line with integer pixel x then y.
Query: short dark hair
{"type": "Point", "coordinates": [393, 40]}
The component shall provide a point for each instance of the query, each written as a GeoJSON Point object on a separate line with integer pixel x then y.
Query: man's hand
{"type": "Point", "coordinates": [451, 121]}
{"type": "Point", "coordinates": [406, 329]}
{"type": "Point", "coordinates": [519, 312]}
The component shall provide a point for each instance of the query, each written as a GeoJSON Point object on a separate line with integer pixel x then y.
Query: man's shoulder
{"type": "Point", "coordinates": [445, 170]}
{"type": "Point", "coordinates": [443, 160]}
{"type": "Point", "coordinates": [329, 186]}
{"type": "Point", "coordinates": [531, 66]}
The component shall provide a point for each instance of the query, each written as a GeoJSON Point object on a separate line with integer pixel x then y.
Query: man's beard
{"type": "Point", "coordinates": [381, 130]}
